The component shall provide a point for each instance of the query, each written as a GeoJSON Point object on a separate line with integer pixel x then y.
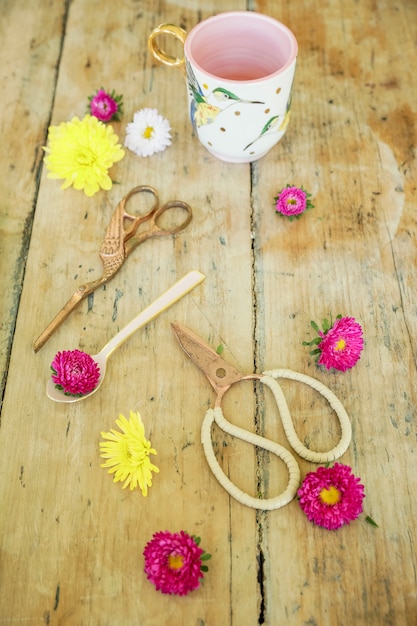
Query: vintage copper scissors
{"type": "Point", "coordinates": [122, 236]}
{"type": "Point", "coordinates": [222, 376]}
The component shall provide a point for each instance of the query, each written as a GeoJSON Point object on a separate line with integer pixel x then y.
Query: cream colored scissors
{"type": "Point", "coordinates": [222, 376]}
{"type": "Point", "coordinates": [121, 238]}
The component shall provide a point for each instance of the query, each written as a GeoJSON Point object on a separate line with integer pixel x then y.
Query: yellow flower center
{"type": "Point", "coordinates": [330, 496]}
{"type": "Point", "coordinates": [340, 345]}
{"type": "Point", "coordinates": [175, 561]}
{"type": "Point", "coordinates": [148, 132]}
{"type": "Point", "coordinates": [86, 157]}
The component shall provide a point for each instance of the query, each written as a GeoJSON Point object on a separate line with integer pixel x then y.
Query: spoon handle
{"type": "Point", "coordinates": [172, 295]}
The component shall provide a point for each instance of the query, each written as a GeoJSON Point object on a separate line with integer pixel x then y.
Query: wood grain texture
{"type": "Point", "coordinates": [30, 46]}
{"type": "Point", "coordinates": [71, 541]}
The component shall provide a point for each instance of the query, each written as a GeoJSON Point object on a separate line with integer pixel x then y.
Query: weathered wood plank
{"type": "Point", "coordinates": [352, 255]}
{"type": "Point", "coordinates": [30, 45]}
{"type": "Point", "coordinates": [71, 541]}
{"type": "Point", "coordinates": [87, 535]}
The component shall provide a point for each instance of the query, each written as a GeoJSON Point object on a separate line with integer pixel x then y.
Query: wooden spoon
{"type": "Point", "coordinates": [167, 299]}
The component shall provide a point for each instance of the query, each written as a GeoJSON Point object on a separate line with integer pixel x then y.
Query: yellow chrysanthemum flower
{"type": "Point", "coordinates": [82, 152]}
{"type": "Point", "coordinates": [127, 453]}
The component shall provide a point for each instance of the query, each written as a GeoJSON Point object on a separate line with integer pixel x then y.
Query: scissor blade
{"type": "Point", "coordinates": [58, 319]}
{"type": "Point", "coordinates": [218, 371]}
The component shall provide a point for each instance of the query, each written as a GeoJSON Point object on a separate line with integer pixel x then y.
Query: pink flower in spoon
{"type": "Point", "coordinates": [75, 372]}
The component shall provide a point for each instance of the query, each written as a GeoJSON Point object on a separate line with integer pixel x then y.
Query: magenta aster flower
{"type": "Point", "coordinates": [339, 345]}
{"type": "Point", "coordinates": [292, 202]}
{"type": "Point", "coordinates": [106, 106]}
{"type": "Point", "coordinates": [174, 562]}
{"type": "Point", "coordinates": [331, 496]}
{"type": "Point", "coordinates": [75, 372]}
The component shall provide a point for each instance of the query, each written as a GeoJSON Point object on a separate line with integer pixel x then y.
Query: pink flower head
{"type": "Point", "coordinates": [173, 562]}
{"type": "Point", "coordinates": [75, 372]}
{"type": "Point", "coordinates": [341, 346]}
{"type": "Point", "coordinates": [338, 345]}
{"type": "Point", "coordinates": [105, 106]}
{"type": "Point", "coordinates": [292, 202]}
{"type": "Point", "coordinates": [331, 496]}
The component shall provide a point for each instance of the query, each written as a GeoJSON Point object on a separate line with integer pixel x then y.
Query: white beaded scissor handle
{"type": "Point", "coordinates": [269, 379]}
{"type": "Point", "coordinates": [222, 376]}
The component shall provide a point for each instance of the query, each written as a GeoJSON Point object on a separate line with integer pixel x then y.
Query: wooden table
{"type": "Point", "coordinates": [71, 540]}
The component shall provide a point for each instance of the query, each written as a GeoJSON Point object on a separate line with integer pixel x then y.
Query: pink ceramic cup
{"type": "Point", "coordinates": [239, 69]}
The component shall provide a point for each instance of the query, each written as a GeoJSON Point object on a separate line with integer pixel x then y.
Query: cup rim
{"type": "Point", "coordinates": [250, 15]}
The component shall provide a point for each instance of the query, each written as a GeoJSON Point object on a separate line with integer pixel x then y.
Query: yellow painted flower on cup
{"type": "Point", "coordinates": [127, 453]}
{"type": "Point", "coordinates": [81, 152]}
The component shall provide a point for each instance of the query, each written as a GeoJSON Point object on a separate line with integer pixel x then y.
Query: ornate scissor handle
{"type": "Point", "coordinates": [168, 206]}
{"type": "Point", "coordinates": [150, 220]}
{"type": "Point", "coordinates": [269, 379]}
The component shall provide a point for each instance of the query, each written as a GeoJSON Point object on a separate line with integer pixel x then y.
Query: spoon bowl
{"type": "Point", "coordinates": [167, 299]}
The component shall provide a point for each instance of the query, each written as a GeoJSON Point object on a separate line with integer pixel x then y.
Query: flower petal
{"type": "Point", "coordinates": [81, 152]}
{"type": "Point", "coordinates": [127, 454]}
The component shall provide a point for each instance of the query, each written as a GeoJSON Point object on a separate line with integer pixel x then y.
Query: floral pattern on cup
{"type": "Point", "coordinates": [204, 112]}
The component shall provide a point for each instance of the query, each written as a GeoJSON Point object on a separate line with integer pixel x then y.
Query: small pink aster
{"type": "Point", "coordinates": [75, 372]}
{"type": "Point", "coordinates": [174, 562]}
{"type": "Point", "coordinates": [292, 202]}
{"type": "Point", "coordinates": [105, 106]}
{"type": "Point", "coordinates": [339, 345]}
{"type": "Point", "coordinates": [331, 496]}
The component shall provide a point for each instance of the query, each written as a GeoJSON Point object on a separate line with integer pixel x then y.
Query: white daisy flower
{"type": "Point", "coordinates": [148, 133]}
